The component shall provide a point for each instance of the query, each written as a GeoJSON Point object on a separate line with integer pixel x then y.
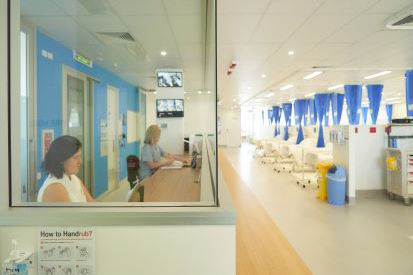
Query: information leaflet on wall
{"type": "Point", "coordinates": [66, 251]}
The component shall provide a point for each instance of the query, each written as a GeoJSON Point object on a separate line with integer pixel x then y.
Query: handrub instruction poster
{"type": "Point", "coordinates": [66, 251]}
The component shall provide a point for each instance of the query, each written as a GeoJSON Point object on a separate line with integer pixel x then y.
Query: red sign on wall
{"type": "Point", "coordinates": [372, 129]}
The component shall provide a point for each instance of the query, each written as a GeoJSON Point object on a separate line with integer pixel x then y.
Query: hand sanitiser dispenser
{"type": "Point", "coordinates": [18, 261]}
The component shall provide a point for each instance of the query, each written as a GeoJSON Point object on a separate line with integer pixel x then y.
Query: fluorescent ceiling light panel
{"type": "Point", "coordinates": [377, 74]}
{"type": "Point", "coordinates": [312, 75]}
{"type": "Point", "coordinates": [269, 95]}
{"type": "Point", "coordinates": [290, 52]}
{"type": "Point", "coordinates": [309, 95]}
{"type": "Point", "coordinates": [392, 98]}
{"type": "Point", "coordinates": [286, 87]}
{"type": "Point", "coordinates": [335, 87]}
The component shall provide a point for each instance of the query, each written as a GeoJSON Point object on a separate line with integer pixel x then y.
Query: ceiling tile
{"type": "Point", "coordinates": [236, 28]}
{"type": "Point", "coordinates": [319, 27]}
{"type": "Point", "coordinates": [72, 7]}
{"type": "Point", "coordinates": [242, 6]}
{"type": "Point", "coordinates": [181, 7]}
{"type": "Point", "coordinates": [39, 7]}
{"type": "Point", "coordinates": [101, 23]}
{"type": "Point", "coordinates": [359, 28]}
{"type": "Point", "coordinates": [393, 6]}
{"type": "Point", "coordinates": [347, 6]}
{"type": "Point", "coordinates": [138, 7]}
{"type": "Point", "coordinates": [275, 28]}
{"type": "Point", "coordinates": [294, 7]}
{"type": "Point", "coordinates": [187, 28]}
{"type": "Point", "coordinates": [151, 31]}
{"type": "Point", "coordinates": [64, 30]}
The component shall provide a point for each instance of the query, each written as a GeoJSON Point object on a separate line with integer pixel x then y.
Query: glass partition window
{"type": "Point", "coordinates": [117, 103]}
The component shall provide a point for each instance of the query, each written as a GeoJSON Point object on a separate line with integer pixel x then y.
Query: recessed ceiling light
{"type": "Point", "coordinates": [208, 92]}
{"type": "Point", "coordinates": [309, 95]}
{"type": "Point", "coordinates": [270, 95]}
{"type": "Point", "coordinates": [291, 53]}
{"type": "Point", "coordinates": [392, 98]}
{"type": "Point", "coordinates": [234, 100]}
{"type": "Point", "coordinates": [154, 93]}
{"type": "Point", "coordinates": [286, 87]}
{"type": "Point", "coordinates": [163, 53]}
{"type": "Point", "coordinates": [312, 75]}
{"type": "Point", "coordinates": [335, 87]}
{"type": "Point", "coordinates": [199, 92]}
{"type": "Point", "coordinates": [184, 93]}
{"type": "Point", "coordinates": [263, 76]}
{"type": "Point", "coordinates": [377, 74]}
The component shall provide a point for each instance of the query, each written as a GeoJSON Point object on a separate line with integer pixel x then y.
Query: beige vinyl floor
{"type": "Point", "coordinates": [373, 236]}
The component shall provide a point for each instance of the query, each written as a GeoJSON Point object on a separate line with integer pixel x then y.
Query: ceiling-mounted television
{"type": "Point", "coordinates": [169, 108]}
{"type": "Point", "coordinates": [169, 79]}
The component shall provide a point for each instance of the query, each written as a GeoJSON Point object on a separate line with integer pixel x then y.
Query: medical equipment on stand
{"type": "Point", "coordinates": [399, 161]}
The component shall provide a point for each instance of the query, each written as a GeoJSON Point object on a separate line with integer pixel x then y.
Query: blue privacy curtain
{"type": "Point", "coordinates": [409, 93]}
{"type": "Point", "coordinates": [270, 116]}
{"type": "Point", "coordinates": [321, 101]}
{"type": "Point", "coordinates": [374, 94]}
{"type": "Point", "coordinates": [287, 115]}
{"type": "Point", "coordinates": [327, 112]}
{"type": "Point", "coordinates": [365, 112]}
{"type": "Point", "coordinates": [337, 102]}
{"type": "Point", "coordinates": [276, 116]}
{"type": "Point", "coordinates": [299, 109]}
{"type": "Point", "coordinates": [353, 98]}
{"type": "Point", "coordinates": [389, 111]}
{"type": "Point", "coordinates": [313, 111]}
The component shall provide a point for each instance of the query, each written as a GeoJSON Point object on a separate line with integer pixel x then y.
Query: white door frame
{"type": "Point", "coordinates": [68, 71]}
{"type": "Point", "coordinates": [113, 145]}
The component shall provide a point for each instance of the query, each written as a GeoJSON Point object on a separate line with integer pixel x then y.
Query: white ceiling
{"type": "Point", "coordinates": [348, 36]}
{"type": "Point", "coordinates": [172, 25]}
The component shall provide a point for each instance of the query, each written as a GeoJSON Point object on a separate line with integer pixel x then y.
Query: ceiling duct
{"type": "Point", "coordinates": [116, 37]}
{"type": "Point", "coordinates": [124, 39]}
{"type": "Point", "coordinates": [402, 21]}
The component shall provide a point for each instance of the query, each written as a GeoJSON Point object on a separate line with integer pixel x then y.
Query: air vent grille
{"type": "Point", "coordinates": [119, 35]}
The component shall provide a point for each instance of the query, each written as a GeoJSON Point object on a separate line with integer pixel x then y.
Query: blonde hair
{"type": "Point", "coordinates": [152, 133]}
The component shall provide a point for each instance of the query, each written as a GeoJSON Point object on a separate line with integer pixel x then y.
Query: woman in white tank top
{"type": "Point", "coordinates": [63, 161]}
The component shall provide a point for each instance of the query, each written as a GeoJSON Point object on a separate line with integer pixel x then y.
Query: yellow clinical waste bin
{"type": "Point", "coordinates": [322, 169]}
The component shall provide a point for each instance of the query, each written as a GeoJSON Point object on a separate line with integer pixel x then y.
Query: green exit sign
{"type": "Point", "coordinates": [82, 59]}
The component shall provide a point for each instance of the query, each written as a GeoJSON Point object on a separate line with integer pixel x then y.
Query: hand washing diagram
{"type": "Point", "coordinates": [66, 251]}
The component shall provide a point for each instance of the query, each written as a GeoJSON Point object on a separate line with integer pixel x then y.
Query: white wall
{"type": "Point", "coordinates": [230, 127]}
{"type": "Point", "coordinates": [199, 114]}
{"type": "Point", "coordinates": [363, 156]}
{"type": "Point", "coordinates": [155, 250]}
{"type": "Point", "coordinates": [150, 109]}
{"type": "Point", "coordinates": [399, 110]}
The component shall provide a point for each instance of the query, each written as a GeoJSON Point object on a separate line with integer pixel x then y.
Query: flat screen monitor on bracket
{"type": "Point", "coordinates": [169, 108]}
{"type": "Point", "coordinates": [169, 79]}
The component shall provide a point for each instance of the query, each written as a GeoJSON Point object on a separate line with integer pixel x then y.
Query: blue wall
{"type": "Point", "coordinates": [49, 105]}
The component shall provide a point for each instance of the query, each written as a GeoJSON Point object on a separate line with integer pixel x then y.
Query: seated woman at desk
{"type": "Point", "coordinates": [62, 162]}
{"type": "Point", "coordinates": [152, 153]}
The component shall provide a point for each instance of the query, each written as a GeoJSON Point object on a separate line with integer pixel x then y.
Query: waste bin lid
{"type": "Point", "coordinates": [324, 164]}
{"type": "Point", "coordinates": [337, 172]}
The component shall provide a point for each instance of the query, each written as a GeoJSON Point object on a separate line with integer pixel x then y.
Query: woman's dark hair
{"type": "Point", "coordinates": [61, 149]}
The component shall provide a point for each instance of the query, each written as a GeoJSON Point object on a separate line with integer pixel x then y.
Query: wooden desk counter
{"type": "Point", "coordinates": [173, 185]}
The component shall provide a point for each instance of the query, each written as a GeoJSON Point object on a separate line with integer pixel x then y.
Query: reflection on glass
{"type": "Point", "coordinates": [106, 85]}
